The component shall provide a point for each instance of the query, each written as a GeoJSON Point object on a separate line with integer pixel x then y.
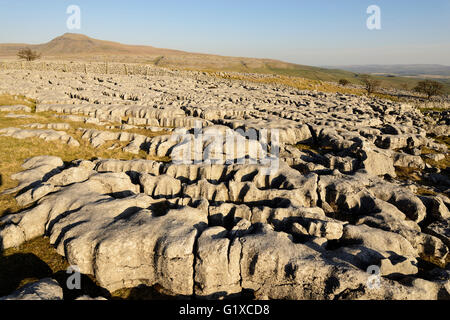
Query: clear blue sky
{"type": "Point", "coordinates": [319, 32]}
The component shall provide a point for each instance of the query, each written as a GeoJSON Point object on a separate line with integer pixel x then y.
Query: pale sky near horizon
{"type": "Point", "coordinates": [320, 32]}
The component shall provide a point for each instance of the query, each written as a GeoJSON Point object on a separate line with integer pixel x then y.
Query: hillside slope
{"type": "Point", "coordinates": [81, 47]}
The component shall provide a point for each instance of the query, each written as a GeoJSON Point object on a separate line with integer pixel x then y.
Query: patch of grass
{"type": "Point", "coordinates": [404, 174]}
{"type": "Point", "coordinates": [443, 140]}
{"type": "Point", "coordinates": [425, 151]}
{"type": "Point", "coordinates": [440, 263]}
{"type": "Point", "coordinates": [323, 150]}
{"type": "Point", "coordinates": [425, 192]}
{"type": "Point", "coordinates": [435, 109]}
{"type": "Point", "coordinates": [11, 100]}
{"type": "Point", "coordinates": [413, 174]}
{"type": "Point", "coordinates": [386, 97]}
{"type": "Point", "coordinates": [303, 147]}
{"type": "Point", "coordinates": [443, 164]}
{"type": "Point", "coordinates": [158, 60]}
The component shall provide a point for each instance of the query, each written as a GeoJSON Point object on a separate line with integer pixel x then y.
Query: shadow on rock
{"type": "Point", "coordinates": [19, 269]}
{"type": "Point", "coordinates": [87, 286]}
{"type": "Point", "coordinates": [144, 292]}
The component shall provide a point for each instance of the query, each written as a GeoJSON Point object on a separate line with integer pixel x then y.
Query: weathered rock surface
{"type": "Point", "coordinates": [37, 170]}
{"type": "Point", "coordinates": [15, 108]}
{"type": "Point", "coordinates": [45, 289]}
{"type": "Point", "coordinates": [210, 230]}
{"type": "Point", "coordinates": [46, 135]}
{"type": "Point", "coordinates": [215, 221]}
{"type": "Point", "coordinates": [54, 126]}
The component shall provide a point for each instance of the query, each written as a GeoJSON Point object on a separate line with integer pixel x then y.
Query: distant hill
{"type": "Point", "coordinates": [418, 70]}
{"type": "Point", "coordinates": [78, 46]}
{"type": "Point", "coordinates": [81, 47]}
{"type": "Point", "coordinates": [71, 44]}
